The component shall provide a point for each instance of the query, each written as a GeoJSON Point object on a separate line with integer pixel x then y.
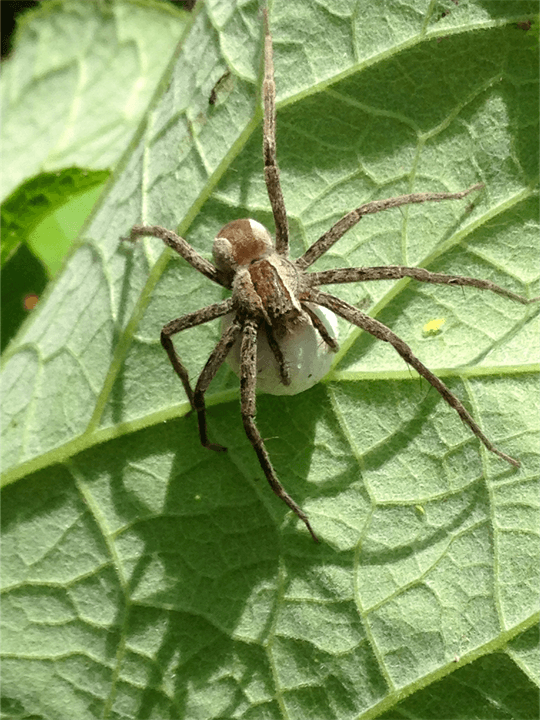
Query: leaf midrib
{"type": "Point", "coordinates": [89, 439]}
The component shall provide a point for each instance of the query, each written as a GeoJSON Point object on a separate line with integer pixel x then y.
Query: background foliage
{"type": "Point", "coordinates": [145, 577]}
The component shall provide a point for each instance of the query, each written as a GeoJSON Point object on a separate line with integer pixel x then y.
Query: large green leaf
{"type": "Point", "coordinates": [147, 577]}
{"type": "Point", "coordinates": [73, 93]}
{"type": "Point", "coordinates": [74, 89]}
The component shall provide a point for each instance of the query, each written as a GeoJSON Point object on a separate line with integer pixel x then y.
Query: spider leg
{"type": "Point", "coordinates": [394, 272]}
{"type": "Point", "coordinates": [271, 170]}
{"type": "Point", "coordinates": [321, 328]}
{"type": "Point", "coordinates": [380, 331]}
{"type": "Point", "coordinates": [248, 381]}
{"type": "Point", "coordinates": [284, 374]}
{"type": "Point", "coordinates": [184, 323]}
{"type": "Point", "coordinates": [325, 242]}
{"type": "Point", "coordinates": [214, 362]}
{"type": "Point", "coordinates": [183, 248]}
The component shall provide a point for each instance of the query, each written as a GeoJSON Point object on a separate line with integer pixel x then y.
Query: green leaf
{"type": "Point", "coordinates": [146, 577]}
{"type": "Point", "coordinates": [38, 227]}
{"type": "Point", "coordinates": [39, 198]}
{"type": "Point", "coordinates": [78, 81]}
{"type": "Point", "coordinates": [59, 106]}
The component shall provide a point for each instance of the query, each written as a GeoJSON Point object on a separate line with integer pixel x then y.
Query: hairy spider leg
{"type": "Point", "coordinates": [380, 331]}
{"type": "Point", "coordinates": [248, 381]}
{"type": "Point", "coordinates": [214, 362]}
{"type": "Point", "coordinates": [199, 317]}
{"type": "Point", "coordinates": [395, 272]}
{"type": "Point", "coordinates": [320, 327]}
{"type": "Point", "coordinates": [325, 242]}
{"type": "Point", "coordinates": [284, 372]}
{"type": "Point", "coordinates": [271, 170]}
{"type": "Point", "coordinates": [184, 249]}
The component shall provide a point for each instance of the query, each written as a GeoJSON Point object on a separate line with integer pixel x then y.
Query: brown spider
{"type": "Point", "coordinates": [270, 294]}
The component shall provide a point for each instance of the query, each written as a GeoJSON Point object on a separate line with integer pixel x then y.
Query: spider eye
{"type": "Point", "coordinates": [240, 242]}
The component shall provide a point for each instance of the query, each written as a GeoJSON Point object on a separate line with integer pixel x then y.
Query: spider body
{"type": "Point", "coordinates": [265, 285]}
{"type": "Point", "coordinates": [274, 298]}
{"type": "Point", "coordinates": [270, 288]}
{"type": "Point", "coordinates": [306, 355]}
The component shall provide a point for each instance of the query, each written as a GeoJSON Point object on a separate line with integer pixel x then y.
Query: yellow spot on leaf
{"type": "Point", "coordinates": [433, 327]}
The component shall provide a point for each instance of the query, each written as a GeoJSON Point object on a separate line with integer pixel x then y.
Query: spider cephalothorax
{"type": "Point", "coordinates": [265, 285]}
{"type": "Point", "coordinates": [275, 296]}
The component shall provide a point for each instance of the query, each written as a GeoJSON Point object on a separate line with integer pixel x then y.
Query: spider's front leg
{"type": "Point", "coordinates": [325, 242]}
{"type": "Point", "coordinates": [284, 372]}
{"type": "Point", "coordinates": [248, 380]}
{"type": "Point", "coordinates": [183, 248]}
{"type": "Point", "coordinates": [271, 170]}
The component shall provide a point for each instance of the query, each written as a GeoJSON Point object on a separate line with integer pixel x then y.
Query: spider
{"type": "Point", "coordinates": [273, 296]}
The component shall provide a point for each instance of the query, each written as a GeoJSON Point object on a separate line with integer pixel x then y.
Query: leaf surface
{"type": "Point", "coordinates": [146, 577]}
{"type": "Point", "coordinates": [80, 78]}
